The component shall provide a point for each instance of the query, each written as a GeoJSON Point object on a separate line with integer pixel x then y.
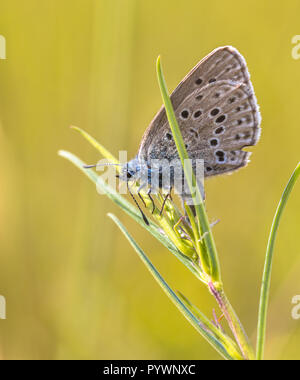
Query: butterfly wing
{"type": "Point", "coordinates": [217, 112]}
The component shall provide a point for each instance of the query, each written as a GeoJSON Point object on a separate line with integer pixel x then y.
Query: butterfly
{"type": "Point", "coordinates": [217, 113]}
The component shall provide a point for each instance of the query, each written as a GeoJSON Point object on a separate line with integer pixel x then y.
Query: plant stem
{"type": "Point", "coordinates": [233, 321]}
{"type": "Point", "coordinates": [265, 287]}
{"type": "Point", "coordinates": [222, 345]}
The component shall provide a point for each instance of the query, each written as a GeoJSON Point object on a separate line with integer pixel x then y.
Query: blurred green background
{"type": "Point", "coordinates": [74, 287]}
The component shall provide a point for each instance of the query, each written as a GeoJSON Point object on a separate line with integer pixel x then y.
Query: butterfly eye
{"type": "Point", "coordinates": [129, 175]}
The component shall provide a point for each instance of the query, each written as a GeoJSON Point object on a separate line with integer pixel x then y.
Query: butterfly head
{"type": "Point", "coordinates": [130, 171]}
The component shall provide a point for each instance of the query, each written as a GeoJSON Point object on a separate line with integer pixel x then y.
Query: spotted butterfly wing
{"type": "Point", "coordinates": [217, 112]}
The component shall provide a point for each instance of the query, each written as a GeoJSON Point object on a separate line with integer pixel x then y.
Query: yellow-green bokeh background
{"type": "Point", "coordinates": [74, 287]}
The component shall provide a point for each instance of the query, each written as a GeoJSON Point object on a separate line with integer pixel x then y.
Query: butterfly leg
{"type": "Point", "coordinates": [164, 202]}
{"type": "Point", "coordinates": [141, 198]}
{"type": "Point", "coordinates": [150, 197]}
{"type": "Point", "coordinates": [139, 193]}
{"type": "Point", "coordinates": [138, 206]}
{"type": "Point", "coordinates": [170, 194]}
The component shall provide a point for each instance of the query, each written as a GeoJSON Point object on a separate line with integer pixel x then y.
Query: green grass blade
{"type": "Point", "coordinates": [265, 288]}
{"type": "Point", "coordinates": [209, 257]}
{"type": "Point", "coordinates": [199, 326]}
{"type": "Point", "coordinates": [103, 151]}
{"type": "Point", "coordinates": [131, 211]}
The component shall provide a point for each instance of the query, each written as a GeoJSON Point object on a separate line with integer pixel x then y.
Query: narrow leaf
{"type": "Point", "coordinates": [103, 151]}
{"type": "Point", "coordinates": [266, 280]}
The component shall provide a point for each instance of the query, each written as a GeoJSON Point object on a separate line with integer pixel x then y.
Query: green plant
{"type": "Point", "coordinates": [196, 250]}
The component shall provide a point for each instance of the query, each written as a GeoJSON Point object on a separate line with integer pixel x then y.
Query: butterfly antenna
{"type": "Point", "coordinates": [95, 165]}
{"type": "Point", "coordinates": [138, 206]}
